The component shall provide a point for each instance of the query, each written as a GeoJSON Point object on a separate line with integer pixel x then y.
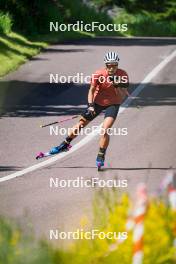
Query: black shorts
{"type": "Point", "coordinates": [110, 111]}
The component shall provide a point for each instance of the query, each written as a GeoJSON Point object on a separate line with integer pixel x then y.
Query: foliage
{"type": "Point", "coordinates": [147, 24]}
{"type": "Point", "coordinates": [33, 17]}
{"type": "Point", "coordinates": [110, 214]}
{"type": "Point", "coordinates": [5, 23]}
{"type": "Point", "coordinates": [136, 6]}
{"type": "Point", "coordinates": [150, 18]}
{"type": "Point", "coordinates": [17, 248]}
{"type": "Point", "coordinates": [144, 18]}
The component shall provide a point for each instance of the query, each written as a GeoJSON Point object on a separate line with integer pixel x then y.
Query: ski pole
{"type": "Point", "coordinates": [61, 121]}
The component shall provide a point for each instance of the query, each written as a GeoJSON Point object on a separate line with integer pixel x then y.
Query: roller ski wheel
{"type": "Point", "coordinates": [99, 164]}
{"type": "Point", "coordinates": [53, 151]}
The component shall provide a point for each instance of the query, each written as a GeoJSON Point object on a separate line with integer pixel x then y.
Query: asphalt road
{"type": "Point", "coordinates": [28, 100]}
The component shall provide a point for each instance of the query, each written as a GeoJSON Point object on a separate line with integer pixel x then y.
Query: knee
{"type": "Point", "coordinates": [83, 121]}
{"type": "Point", "coordinates": [76, 129]}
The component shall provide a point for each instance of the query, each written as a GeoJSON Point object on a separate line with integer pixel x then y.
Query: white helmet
{"type": "Point", "coordinates": [111, 57]}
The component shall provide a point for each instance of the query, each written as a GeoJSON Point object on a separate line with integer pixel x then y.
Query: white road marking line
{"type": "Point", "coordinates": [85, 140]}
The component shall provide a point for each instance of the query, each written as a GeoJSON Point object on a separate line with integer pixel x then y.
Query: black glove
{"type": "Point", "coordinates": [91, 108]}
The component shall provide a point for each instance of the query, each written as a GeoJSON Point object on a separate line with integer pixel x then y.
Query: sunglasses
{"type": "Point", "coordinates": [111, 65]}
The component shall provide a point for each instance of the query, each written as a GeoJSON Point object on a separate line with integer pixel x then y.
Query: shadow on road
{"type": "Point", "coordinates": [135, 169]}
{"type": "Point", "coordinates": [25, 99]}
{"type": "Point", "coordinates": [10, 168]}
{"type": "Point", "coordinates": [113, 168]}
{"type": "Point", "coordinates": [122, 41]}
{"type": "Point", "coordinates": [63, 50]}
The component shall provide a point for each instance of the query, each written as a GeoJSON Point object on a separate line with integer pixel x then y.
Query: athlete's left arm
{"type": "Point", "coordinates": [123, 85]}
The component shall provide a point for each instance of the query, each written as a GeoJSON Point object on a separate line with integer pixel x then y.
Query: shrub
{"type": "Point", "coordinates": [5, 23]}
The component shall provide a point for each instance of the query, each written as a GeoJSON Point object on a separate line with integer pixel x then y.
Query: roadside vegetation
{"type": "Point", "coordinates": [24, 25]}
{"type": "Point", "coordinates": [110, 214]}
{"type": "Point", "coordinates": [144, 18]}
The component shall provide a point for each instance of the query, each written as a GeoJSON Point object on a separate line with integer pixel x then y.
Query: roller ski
{"type": "Point", "coordinates": [100, 159]}
{"type": "Point", "coordinates": [64, 146]}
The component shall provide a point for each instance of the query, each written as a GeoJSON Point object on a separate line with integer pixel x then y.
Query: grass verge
{"type": "Point", "coordinates": [16, 49]}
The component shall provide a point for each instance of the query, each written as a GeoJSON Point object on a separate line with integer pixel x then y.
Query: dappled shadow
{"type": "Point", "coordinates": [63, 50]}
{"type": "Point", "coordinates": [122, 41]}
{"type": "Point", "coordinates": [37, 58]}
{"type": "Point", "coordinates": [54, 50]}
{"type": "Point", "coordinates": [25, 99]}
{"type": "Point", "coordinates": [6, 50]}
{"type": "Point", "coordinates": [21, 42]}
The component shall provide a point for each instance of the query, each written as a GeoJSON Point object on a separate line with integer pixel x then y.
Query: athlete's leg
{"type": "Point", "coordinates": [104, 138]}
{"type": "Point", "coordinates": [110, 117]}
{"type": "Point", "coordinates": [86, 117]}
{"type": "Point", "coordinates": [74, 131]}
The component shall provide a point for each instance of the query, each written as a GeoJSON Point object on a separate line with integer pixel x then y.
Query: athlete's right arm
{"type": "Point", "coordinates": [91, 94]}
{"type": "Point", "coordinates": [94, 82]}
{"type": "Point", "coordinates": [90, 99]}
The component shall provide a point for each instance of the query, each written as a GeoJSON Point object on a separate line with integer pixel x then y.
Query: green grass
{"type": "Point", "coordinates": [15, 50]}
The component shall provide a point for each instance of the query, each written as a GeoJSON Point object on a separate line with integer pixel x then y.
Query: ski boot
{"type": "Point", "coordinates": [64, 146]}
{"type": "Point", "coordinates": [100, 159]}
